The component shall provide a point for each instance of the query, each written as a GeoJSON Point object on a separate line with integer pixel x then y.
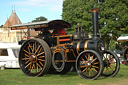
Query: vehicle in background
{"type": "Point", "coordinates": [9, 55]}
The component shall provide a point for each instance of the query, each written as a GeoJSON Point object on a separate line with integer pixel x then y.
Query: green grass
{"type": "Point", "coordinates": [16, 77]}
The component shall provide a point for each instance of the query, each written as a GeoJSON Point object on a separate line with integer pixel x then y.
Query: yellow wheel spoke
{"type": "Point", "coordinates": [25, 58]}
{"type": "Point", "coordinates": [40, 54]}
{"type": "Point", "coordinates": [86, 57]}
{"type": "Point", "coordinates": [95, 63]}
{"type": "Point", "coordinates": [95, 70]}
{"type": "Point", "coordinates": [27, 61]}
{"type": "Point", "coordinates": [41, 63]}
{"type": "Point", "coordinates": [95, 66]}
{"type": "Point", "coordinates": [41, 60]}
{"type": "Point", "coordinates": [39, 66]}
{"type": "Point", "coordinates": [93, 60]}
{"type": "Point", "coordinates": [89, 73]}
{"type": "Point", "coordinates": [29, 50]}
{"type": "Point", "coordinates": [108, 70]}
{"type": "Point", "coordinates": [26, 51]}
{"type": "Point", "coordinates": [30, 68]}
{"type": "Point", "coordinates": [30, 46]}
{"type": "Point", "coordinates": [27, 55]}
{"type": "Point", "coordinates": [27, 65]}
{"type": "Point", "coordinates": [84, 69]}
{"type": "Point", "coordinates": [111, 68]}
{"type": "Point", "coordinates": [34, 67]}
{"type": "Point", "coordinates": [35, 46]}
{"type": "Point", "coordinates": [37, 49]}
{"type": "Point", "coordinates": [83, 66]}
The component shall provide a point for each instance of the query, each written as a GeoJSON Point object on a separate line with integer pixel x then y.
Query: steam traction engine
{"type": "Point", "coordinates": [54, 51]}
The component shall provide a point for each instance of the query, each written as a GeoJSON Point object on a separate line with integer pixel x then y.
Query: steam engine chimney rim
{"type": "Point", "coordinates": [95, 10]}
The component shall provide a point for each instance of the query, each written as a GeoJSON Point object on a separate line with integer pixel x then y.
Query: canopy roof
{"type": "Point", "coordinates": [122, 38]}
{"type": "Point", "coordinates": [51, 24]}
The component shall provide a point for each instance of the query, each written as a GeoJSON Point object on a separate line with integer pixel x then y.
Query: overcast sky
{"type": "Point", "coordinates": [28, 10]}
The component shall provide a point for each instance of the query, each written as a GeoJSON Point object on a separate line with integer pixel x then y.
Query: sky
{"type": "Point", "coordinates": [28, 10]}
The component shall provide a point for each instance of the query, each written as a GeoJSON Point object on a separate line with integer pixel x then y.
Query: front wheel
{"type": "Point", "coordinates": [89, 64]}
{"type": "Point", "coordinates": [111, 64]}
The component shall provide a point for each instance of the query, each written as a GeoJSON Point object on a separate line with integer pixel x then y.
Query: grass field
{"type": "Point", "coordinates": [16, 77]}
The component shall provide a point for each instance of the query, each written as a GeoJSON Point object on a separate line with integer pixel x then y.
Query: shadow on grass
{"type": "Point", "coordinates": [69, 74]}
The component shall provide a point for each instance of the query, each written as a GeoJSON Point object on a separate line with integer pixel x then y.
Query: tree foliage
{"type": "Point", "coordinates": [113, 17]}
{"type": "Point", "coordinates": [41, 18]}
{"type": "Point", "coordinates": [1, 26]}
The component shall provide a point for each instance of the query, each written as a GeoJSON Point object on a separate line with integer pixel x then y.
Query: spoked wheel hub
{"type": "Point", "coordinates": [33, 58]}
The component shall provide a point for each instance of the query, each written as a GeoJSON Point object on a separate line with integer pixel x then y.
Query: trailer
{"type": "Point", "coordinates": [9, 55]}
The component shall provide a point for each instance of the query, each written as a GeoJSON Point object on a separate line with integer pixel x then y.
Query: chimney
{"type": "Point", "coordinates": [95, 22]}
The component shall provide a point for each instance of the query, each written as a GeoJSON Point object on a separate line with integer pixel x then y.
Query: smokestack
{"type": "Point", "coordinates": [95, 22]}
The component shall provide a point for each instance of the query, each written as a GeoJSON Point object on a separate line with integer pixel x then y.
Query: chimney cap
{"type": "Point", "coordinates": [95, 10]}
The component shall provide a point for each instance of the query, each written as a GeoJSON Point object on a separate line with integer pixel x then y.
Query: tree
{"type": "Point", "coordinates": [41, 18]}
{"type": "Point", "coordinates": [113, 16]}
{"type": "Point", "coordinates": [1, 26]}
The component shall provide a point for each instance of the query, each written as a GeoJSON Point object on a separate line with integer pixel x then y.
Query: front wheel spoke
{"type": "Point", "coordinates": [95, 67]}
{"type": "Point", "coordinates": [93, 60]}
{"type": "Point", "coordinates": [83, 66]}
{"type": "Point", "coordinates": [83, 59]}
{"type": "Point", "coordinates": [84, 69]}
{"type": "Point", "coordinates": [30, 47]}
{"type": "Point", "coordinates": [86, 57]}
{"type": "Point", "coordinates": [89, 72]}
{"type": "Point", "coordinates": [95, 70]}
{"type": "Point", "coordinates": [108, 70]}
{"type": "Point", "coordinates": [95, 63]}
{"type": "Point", "coordinates": [111, 69]}
{"type": "Point", "coordinates": [111, 60]}
{"type": "Point", "coordinates": [112, 66]}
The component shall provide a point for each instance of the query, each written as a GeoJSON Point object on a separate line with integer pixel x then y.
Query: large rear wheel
{"type": "Point", "coordinates": [35, 57]}
{"type": "Point", "coordinates": [89, 64]}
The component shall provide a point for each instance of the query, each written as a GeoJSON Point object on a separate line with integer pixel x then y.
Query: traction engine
{"type": "Point", "coordinates": [54, 51]}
